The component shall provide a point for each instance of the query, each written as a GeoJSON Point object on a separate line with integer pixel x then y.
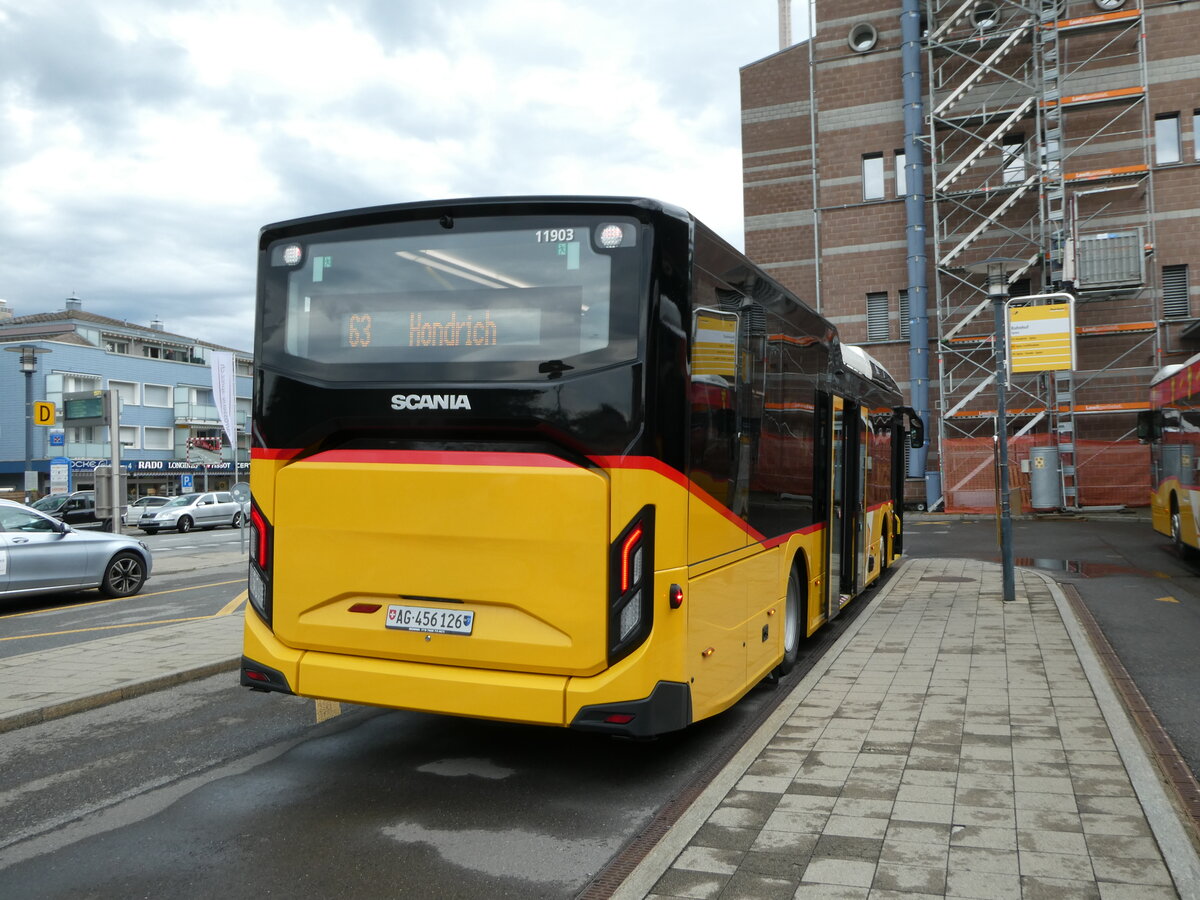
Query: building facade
{"type": "Point", "coordinates": [170, 433]}
{"type": "Point", "coordinates": [1051, 146]}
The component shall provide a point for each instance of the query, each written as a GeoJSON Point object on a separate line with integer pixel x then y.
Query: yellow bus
{"type": "Point", "coordinates": [572, 461]}
{"type": "Point", "coordinates": [1172, 429]}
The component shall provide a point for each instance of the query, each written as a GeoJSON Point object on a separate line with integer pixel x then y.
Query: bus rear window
{"type": "Point", "coordinates": [500, 297]}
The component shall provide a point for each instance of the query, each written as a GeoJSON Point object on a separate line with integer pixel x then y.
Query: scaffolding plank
{"type": "Point", "coordinates": [1114, 172]}
{"type": "Point", "coordinates": [1129, 93]}
{"type": "Point", "coordinates": [1120, 17]}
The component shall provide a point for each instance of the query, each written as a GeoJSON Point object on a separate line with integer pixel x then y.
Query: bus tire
{"type": "Point", "coordinates": [1184, 551]}
{"type": "Point", "coordinates": [791, 623]}
{"type": "Point", "coordinates": [885, 545]}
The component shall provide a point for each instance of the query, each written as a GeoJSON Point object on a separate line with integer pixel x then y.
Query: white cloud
{"type": "Point", "coordinates": [137, 169]}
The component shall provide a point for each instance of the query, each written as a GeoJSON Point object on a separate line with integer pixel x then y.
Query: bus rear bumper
{"type": "Point", "coordinates": [270, 665]}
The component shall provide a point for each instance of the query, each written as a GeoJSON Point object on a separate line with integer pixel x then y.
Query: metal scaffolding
{"type": "Point", "coordinates": [1038, 147]}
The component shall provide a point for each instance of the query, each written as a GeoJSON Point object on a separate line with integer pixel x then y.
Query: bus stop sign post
{"type": "Point", "coordinates": [996, 270]}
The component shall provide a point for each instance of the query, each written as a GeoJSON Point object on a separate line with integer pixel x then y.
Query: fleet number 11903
{"type": "Point", "coordinates": [554, 235]}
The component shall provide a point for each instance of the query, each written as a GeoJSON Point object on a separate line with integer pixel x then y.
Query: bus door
{"type": "Point", "coordinates": [847, 511]}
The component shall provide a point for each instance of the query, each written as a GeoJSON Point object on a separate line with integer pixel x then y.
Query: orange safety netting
{"type": "Point", "coordinates": [1108, 473]}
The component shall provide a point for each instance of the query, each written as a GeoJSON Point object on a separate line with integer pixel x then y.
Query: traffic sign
{"type": "Point", "coordinates": [43, 413]}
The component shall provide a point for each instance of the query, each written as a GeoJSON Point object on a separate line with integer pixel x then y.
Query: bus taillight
{"type": "Point", "coordinates": [259, 580]}
{"type": "Point", "coordinates": [631, 576]}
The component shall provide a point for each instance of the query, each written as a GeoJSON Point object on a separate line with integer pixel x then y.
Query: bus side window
{"type": "Point", "coordinates": [1149, 425]}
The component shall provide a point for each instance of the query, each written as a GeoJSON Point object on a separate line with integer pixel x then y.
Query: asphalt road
{"type": "Point", "coordinates": [210, 790]}
{"type": "Point", "coordinates": [171, 595]}
{"type": "Point", "coordinates": [1145, 598]}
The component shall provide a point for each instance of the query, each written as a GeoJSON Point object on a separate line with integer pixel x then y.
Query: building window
{"type": "Point", "coordinates": [1014, 159]}
{"type": "Point", "coordinates": [156, 438]}
{"type": "Point", "coordinates": [904, 329]}
{"type": "Point", "coordinates": [115, 346]}
{"type": "Point", "coordinates": [126, 390]}
{"type": "Point", "coordinates": [1051, 157]}
{"type": "Point", "coordinates": [157, 395]}
{"type": "Point", "coordinates": [901, 176]}
{"type": "Point", "coordinates": [76, 383]}
{"type": "Point", "coordinates": [1176, 300]}
{"type": "Point", "coordinates": [877, 317]}
{"type": "Point", "coordinates": [81, 434]}
{"type": "Point", "coordinates": [1166, 139]}
{"type": "Point", "coordinates": [129, 437]}
{"type": "Point", "coordinates": [872, 173]}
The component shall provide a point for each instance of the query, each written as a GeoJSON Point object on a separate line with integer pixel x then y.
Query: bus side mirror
{"type": "Point", "coordinates": [1149, 425]}
{"type": "Point", "coordinates": [916, 428]}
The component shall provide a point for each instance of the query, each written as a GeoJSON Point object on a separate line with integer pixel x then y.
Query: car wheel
{"type": "Point", "coordinates": [185, 524]}
{"type": "Point", "coordinates": [124, 576]}
{"type": "Point", "coordinates": [237, 519]}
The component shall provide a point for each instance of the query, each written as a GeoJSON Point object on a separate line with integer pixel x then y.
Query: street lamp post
{"type": "Point", "coordinates": [28, 363]}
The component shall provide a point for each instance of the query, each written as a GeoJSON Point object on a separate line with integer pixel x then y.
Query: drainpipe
{"type": "Point", "coordinates": [914, 230]}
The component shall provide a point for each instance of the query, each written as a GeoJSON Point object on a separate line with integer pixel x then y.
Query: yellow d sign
{"type": "Point", "coordinates": [43, 413]}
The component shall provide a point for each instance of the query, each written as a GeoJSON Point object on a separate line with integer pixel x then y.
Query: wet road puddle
{"type": "Point", "coordinates": [1086, 569]}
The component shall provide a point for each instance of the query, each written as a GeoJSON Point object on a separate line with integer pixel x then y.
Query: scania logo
{"type": "Point", "coordinates": [430, 401]}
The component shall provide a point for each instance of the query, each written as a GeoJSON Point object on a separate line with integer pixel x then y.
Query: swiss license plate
{"type": "Point", "coordinates": [430, 619]}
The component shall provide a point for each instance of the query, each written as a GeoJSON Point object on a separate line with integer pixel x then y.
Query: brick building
{"type": "Point", "coordinates": [1058, 135]}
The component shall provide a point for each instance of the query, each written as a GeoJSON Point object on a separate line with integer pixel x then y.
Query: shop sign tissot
{"type": "Point", "coordinates": [157, 466]}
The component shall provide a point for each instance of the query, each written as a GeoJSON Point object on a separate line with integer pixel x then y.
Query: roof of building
{"type": "Point", "coordinates": [64, 318]}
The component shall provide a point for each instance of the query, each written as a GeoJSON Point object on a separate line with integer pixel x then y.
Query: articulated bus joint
{"type": "Point", "coordinates": [258, 677]}
{"type": "Point", "coordinates": [668, 708]}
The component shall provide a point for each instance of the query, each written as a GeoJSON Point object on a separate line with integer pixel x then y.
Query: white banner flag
{"type": "Point", "coordinates": [225, 392]}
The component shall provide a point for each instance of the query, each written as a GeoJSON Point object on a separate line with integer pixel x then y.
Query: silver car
{"type": "Point", "coordinates": [188, 511]}
{"type": "Point", "coordinates": [41, 555]}
{"type": "Point", "coordinates": [136, 509]}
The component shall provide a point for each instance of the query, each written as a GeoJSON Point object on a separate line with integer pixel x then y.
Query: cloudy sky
{"type": "Point", "coordinates": [143, 143]}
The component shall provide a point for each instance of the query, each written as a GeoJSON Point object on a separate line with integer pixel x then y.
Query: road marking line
{"type": "Point", "coordinates": [54, 609]}
{"type": "Point", "coordinates": [233, 604]}
{"type": "Point", "coordinates": [21, 637]}
{"type": "Point", "coordinates": [1167, 600]}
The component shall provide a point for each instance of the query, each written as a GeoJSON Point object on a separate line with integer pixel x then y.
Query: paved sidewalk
{"type": "Point", "coordinates": [949, 745]}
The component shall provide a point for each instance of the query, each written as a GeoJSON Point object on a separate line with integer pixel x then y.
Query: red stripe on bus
{"type": "Point", "coordinates": [784, 538]}
{"type": "Point", "coordinates": [659, 467]}
{"type": "Point", "coordinates": [535, 460]}
{"type": "Point", "coordinates": [272, 453]}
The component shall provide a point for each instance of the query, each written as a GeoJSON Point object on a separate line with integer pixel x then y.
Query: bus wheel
{"type": "Point", "coordinates": [791, 626]}
{"type": "Point", "coordinates": [1181, 548]}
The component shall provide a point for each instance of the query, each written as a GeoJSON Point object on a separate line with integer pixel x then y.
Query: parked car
{"type": "Point", "coordinates": [75, 508]}
{"type": "Point", "coordinates": [134, 511]}
{"type": "Point", "coordinates": [188, 511]}
{"type": "Point", "coordinates": [39, 555]}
